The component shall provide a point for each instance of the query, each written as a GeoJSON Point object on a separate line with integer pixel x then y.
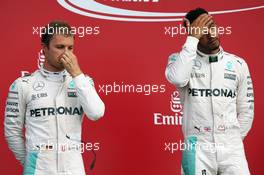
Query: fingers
{"type": "Point", "coordinates": [70, 55]}
{"type": "Point", "coordinates": [70, 63]}
{"type": "Point", "coordinates": [209, 21]}
{"type": "Point", "coordinates": [64, 63]}
{"type": "Point", "coordinates": [205, 19]}
{"type": "Point", "coordinates": [68, 59]}
{"type": "Point", "coordinates": [67, 56]}
{"type": "Point", "coordinates": [64, 59]}
{"type": "Point", "coordinates": [201, 18]}
{"type": "Point", "coordinates": [66, 53]}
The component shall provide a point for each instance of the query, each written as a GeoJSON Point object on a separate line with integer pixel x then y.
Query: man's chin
{"type": "Point", "coordinates": [59, 67]}
{"type": "Point", "coordinates": [215, 47]}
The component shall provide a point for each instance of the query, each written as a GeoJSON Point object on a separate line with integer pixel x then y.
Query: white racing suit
{"type": "Point", "coordinates": [217, 96]}
{"type": "Point", "coordinates": [50, 106]}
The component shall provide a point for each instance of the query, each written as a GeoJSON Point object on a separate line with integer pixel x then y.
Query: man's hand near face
{"type": "Point", "coordinates": [196, 28]}
{"type": "Point", "coordinates": [70, 63]}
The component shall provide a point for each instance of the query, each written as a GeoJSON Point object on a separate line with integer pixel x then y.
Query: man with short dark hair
{"type": "Point", "coordinates": [55, 27]}
{"type": "Point", "coordinates": [217, 95]}
{"type": "Point", "coordinates": [50, 104]}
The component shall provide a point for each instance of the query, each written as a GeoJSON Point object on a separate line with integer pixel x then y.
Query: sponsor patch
{"type": "Point", "coordinates": [39, 85]}
{"type": "Point", "coordinates": [38, 96]}
{"type": "Point", "coordinates": [230, 76]}
{"type": "Point", "coordinates": [197, 75]}
{"type": "Point", "coordinates": [72, 94]}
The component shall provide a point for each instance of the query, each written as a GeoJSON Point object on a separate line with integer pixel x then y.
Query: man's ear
{"type": "Point", "coordinates": [186, 23]}
{"type": "Point", "coordinates": [44, 48]}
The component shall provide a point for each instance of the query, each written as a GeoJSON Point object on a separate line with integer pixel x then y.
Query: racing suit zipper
{"type": "Point", "coordinates": [57, 128]}
{"type": "Point", "coordinates": [213, 129]}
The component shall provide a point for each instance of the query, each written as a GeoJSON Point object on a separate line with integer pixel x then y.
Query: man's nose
{"type": "Point", "coordinates": [213, 32]}
{"type": "Point", "coordinates": [209, 36]}
{"type": "Point", "coordinates": [66, 49]}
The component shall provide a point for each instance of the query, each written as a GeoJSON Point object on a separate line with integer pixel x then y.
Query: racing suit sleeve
{"type": "Point", "coordinates": [245, 101]}
{"type": "Point", "coordinates": [14, 121]}
{"type": "Point", "coordinates": [178, 70]}
{"type": "Point", "coordinates": [90, 101]}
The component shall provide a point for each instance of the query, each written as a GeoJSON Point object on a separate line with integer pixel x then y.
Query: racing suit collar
{"type": "Point", "coordinates": [211, 57]}
{"type": "Point", "coordinates": [53, 76]}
